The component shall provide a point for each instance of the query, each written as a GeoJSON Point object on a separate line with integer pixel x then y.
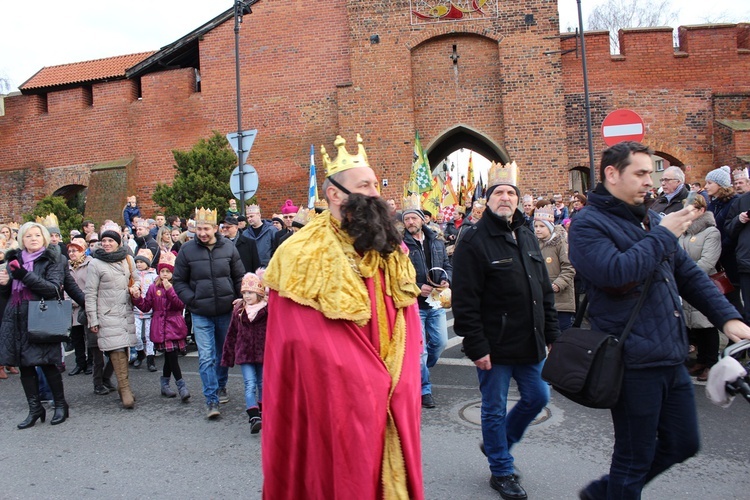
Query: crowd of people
{"type": "Point", "coordinates": [335, 315]}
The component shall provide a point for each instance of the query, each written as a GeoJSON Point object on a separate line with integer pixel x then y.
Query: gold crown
{"type": "Point", "coordinates": [344, 161]}
{"type": "Point", "coordinates": [739, 174]}
{"type": "Point", "coordinates": [167, 258]}
{"type": "Point", "coordinates": [480, 203]}
{"type": "Point", "coordinates": [411, 202]}
{"type": "Point", "coordinates": [503, 174]}
{"type": "Point", "coordinates": [205, 216]}
{"type": "Point", "coordinates": [303, 216]}
{"type": "Point", "coordinates": [252, 283]}
{"type": "Point", "coordinates": [321, 204]}
{"type": "Point", "coordinates": [252, 208]}
{"type": "Point", "coordinates": [546, 213]}
{"type": "Point", "coordinates": [14, 226]}
{"type": "Point", "coordinates": [49, 221]}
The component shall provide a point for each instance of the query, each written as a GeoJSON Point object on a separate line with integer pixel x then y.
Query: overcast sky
{"type": "Point", "coordinates": [81, 30]}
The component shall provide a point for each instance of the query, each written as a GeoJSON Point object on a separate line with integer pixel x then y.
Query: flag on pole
{"type": "Point", "coordinates": [449, 194]}
{"type": "Point", "coordinates": [431, 199]}
{"type": "Point", "coordinates": [479, 191]}
{"type": "Point", "coordinates": [463, 194]}
{"type": "Point", "coordinates": [312, 193]}
{"type": "Point", "coordinates": [470, 177]}
{"type": "Point", "coordinates": [420, 172]}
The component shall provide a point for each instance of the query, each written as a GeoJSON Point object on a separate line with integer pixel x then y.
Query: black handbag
{"type": "Point", "coordinates": [586, 366]}
{"type": "Point", "coordinates": [50, 320]}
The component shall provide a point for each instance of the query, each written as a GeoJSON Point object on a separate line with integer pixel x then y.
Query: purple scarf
{"type": "Point", "coordinates": [19, 290]}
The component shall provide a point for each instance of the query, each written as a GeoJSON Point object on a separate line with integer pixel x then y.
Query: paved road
{"type": "Point", "coordinates": [166, 449]}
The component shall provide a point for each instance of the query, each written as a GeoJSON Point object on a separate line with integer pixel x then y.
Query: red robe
{"type": "Point", "coordinates": [325, 392]}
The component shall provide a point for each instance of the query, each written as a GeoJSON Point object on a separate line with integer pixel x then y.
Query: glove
{"type": "Point", "coordinates": [16, 270]}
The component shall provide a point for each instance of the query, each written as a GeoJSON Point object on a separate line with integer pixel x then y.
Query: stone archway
{"type": "Point", "coordinates": [74, 194]}
{"type": "Point", "coordinates": [463, 136]}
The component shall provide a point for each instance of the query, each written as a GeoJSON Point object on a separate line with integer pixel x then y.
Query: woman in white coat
{"type": "Point", "coordinates": [108, 307]}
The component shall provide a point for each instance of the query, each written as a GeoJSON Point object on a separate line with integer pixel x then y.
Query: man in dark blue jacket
{"type": "Point", "coordinates": [207, 277]}
{"type": "Point", "coordinates": [504, 308]}
{"type": "Point", "coordinates": [616, 244]}
{"type": "Point", "coordinates": [427, 254]}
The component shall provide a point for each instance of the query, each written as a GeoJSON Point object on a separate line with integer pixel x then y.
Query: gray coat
{"type": "Point", "coordinates": [702, 242]}
{"type": "Point", "coordinates": [45, 281]}
{"type": "Point", "coordinates": [108, 303]}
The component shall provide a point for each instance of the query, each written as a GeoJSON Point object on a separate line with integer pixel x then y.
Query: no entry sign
{"type": "Point", "coordinates": [622, 125]}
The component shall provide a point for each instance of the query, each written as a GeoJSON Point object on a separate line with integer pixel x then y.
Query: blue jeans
{"type": "Point", "coordinates": [210, 332]}
{"type": "Point", "coordinates": [501, 432]}
{"type": "Point", "coordinates": [656, 426]}
{"type": "Point", "coordinates": [253, 375]}
{"type": "Point", "coordinates": [565, 319]}
{"type": "Point", "coordinates": [434, 339]}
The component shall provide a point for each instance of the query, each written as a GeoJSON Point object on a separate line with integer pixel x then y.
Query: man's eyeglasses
{"type": "Point", "coordinates": [664, 180]}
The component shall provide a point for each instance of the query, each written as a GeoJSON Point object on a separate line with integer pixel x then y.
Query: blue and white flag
{"type": "Point", "coordinates": [313, 188]}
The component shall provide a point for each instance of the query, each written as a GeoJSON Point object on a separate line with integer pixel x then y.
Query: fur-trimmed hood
{"type": "Point", "coordinates": [558, 236]}
{"type": "Point", "coordinates": [703, 222]}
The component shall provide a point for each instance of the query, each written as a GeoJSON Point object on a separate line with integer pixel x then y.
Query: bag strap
{"type": "Point", "coordinates": [585, 303]}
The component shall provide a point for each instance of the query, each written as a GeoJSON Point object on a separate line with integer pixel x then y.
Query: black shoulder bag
{"type": "Point", "coordinates": [50, 320]}
{"type": "Point", "coordinates": [586, 366]}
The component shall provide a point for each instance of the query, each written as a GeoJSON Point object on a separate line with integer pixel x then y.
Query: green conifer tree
{"type": "Point", "coordinates": [69, 218]}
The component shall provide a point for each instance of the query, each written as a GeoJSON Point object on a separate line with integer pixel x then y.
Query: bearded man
{"type": "Point", "coordinates": [341, 388]}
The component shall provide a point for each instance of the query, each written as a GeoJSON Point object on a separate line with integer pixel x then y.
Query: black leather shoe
{"type": "Point", "coordinates": [88, 370]}
{"type": "Point", "coordinates": [76, 371]}
{"type": "Point", "coordinates": [427, 401]}
{"type": "Point", "coordinates": [100, 390]}
{"type": "Point", "coordinates": [508, 487]}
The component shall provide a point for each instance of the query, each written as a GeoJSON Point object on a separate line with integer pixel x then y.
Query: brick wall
{"type": "Point", "coordinates": [309, 74]}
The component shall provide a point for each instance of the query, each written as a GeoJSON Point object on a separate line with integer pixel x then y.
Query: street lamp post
{"type": "Point", "coordinates": [587, 105]}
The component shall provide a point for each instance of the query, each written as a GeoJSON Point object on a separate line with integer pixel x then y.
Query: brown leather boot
{"type": "Point", "coordinates": [120, 363]}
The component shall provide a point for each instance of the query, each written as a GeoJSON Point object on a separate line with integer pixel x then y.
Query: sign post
{"type": "Point", "coordinates": [622, 125]}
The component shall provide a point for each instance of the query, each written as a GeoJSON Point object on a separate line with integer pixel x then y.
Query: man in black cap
{"type": "Point", "coordinates": [246, 247]}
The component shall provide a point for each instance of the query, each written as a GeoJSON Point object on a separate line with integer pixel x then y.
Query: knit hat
{"type": "Point", "coordinates": [279, 220]}
{"type": "Point", "coordinates": [289, 208]}
{"type": "Point", "coordinates": [547, 216]}
{"type": "Point", "coordinates": [166, 261]}
{"type": "Point", "coordinates": [76, 246]}
{"type": "Point", "coordinates": [411, 205]}
{"type": "Point", "coordinates": [142, 258]}
{"type": "Point", "coordinates": [721, 176]}
{"type": "Point", "coordinates": [111, 234]}
{"type": "Point", "coordinates": [148, 254]}
{"type": "Point", "coordinates": [252, 283]}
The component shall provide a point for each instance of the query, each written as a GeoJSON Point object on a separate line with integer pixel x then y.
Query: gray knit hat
{"type": "Point", "coordinates": [721, 176]}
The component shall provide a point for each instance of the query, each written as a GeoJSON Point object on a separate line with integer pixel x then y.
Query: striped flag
{"type": "Point", "coordinates": [312, 193]}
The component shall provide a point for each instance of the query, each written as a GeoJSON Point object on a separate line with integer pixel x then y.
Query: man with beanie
{"type": "Point", "coordinates": [673, 191]}
{"type": "Point", "coordinates": [504, 308]}
{"type": "Point", "coordinates": [622, 250]}
{"type": "Point", "coordinates": [427, 254]}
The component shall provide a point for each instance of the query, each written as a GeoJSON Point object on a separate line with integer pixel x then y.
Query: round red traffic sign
{"type": "Point", "coordinates": [622, 125]}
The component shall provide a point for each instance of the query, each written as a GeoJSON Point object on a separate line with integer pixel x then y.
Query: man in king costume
{"type": "Point", "coordinates": [341, 382]}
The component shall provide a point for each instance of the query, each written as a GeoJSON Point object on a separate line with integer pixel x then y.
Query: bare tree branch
{"type": "Point", "coordinates": [617, 14]}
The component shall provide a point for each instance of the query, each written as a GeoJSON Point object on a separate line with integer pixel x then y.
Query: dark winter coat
{"type": "Point", "coordinates": [662, 205]}
{"type": "Point", "coordinates": [167, 322]}
{"type": "Point", "coordinates": [246, 340]}
{"type": "Point", "coordinates": [438, 258]}
{"type": "Point", "coordinates": [738, 233]}
{"type": "Point", "coordinates": [614, 252]}
{"type": "Point", "coordinates": [208, 280]}
{"type": "Point", "coordinates": [720, 208]}
{"type": "Point", "coordinates": [264, 241]}
{"type": "Point", "coordinates": [45, 281]}
{"type": "Point", "coordinates": [503, 303]}
{"type": "Point", "coordinates": [248, 251]}
{"type": "Point", "coordinates": [128, 213]}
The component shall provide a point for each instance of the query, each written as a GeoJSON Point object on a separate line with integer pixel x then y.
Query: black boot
{"type": "Point", "coordinates": [58, 394]}
{"type": "Point", "coordinates": [30, 383]}
{"type": "Point", "coordinates": [255, 422]}
{"type": "Point", "coordinates": [139, 359]}
{"type": "Point", "coordinates": [150, 363]}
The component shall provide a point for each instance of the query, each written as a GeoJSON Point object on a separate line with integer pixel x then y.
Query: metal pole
{"type": "Point", "coordinates": [238, 8]}
{"type": "Point", "coordinates": [592, 170]}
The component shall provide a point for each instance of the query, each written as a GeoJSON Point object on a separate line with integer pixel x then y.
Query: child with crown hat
{"type": "Point", "coordinates": [245, 343]}
{"type": "Point", "coordinates": [168, 329]}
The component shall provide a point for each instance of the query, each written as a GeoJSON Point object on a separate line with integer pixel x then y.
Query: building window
{"type": "Point", "coordinates": [659, 165]}
{"type": "Point", "coordinates": [88, 95]}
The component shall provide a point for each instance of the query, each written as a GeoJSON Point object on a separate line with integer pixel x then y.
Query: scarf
{"type": "Point", "coordinates": [252, 309]}
{"type": "Point", "coordinates": [19, 290]}
{"type": "Point", "coordinates": [75, 264]}
{"type": "Point", "coordinates": [110, 257]}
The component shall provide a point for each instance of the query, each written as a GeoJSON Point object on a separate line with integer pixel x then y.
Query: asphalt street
{"type": "Point", "coordinates": [167, 449]}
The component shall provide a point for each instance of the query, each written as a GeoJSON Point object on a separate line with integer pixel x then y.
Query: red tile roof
{"type": "Point", "coordinates": [86, 71]}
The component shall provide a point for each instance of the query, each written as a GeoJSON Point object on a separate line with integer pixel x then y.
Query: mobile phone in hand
{"type": "Point", "coordinates": [690, 198]}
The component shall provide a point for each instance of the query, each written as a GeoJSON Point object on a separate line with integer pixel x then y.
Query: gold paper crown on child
{"type": "Point", "coordinates": [205, 216]}
{"type": "Point", "coordinates": [411, 202]}
{"type": "Point", "coordinates": [167, 258]}
{"type": "Point", "coordinates": [14, 226]}
{"type": "Point", "coordinates": [252, 208]}
{"type": "Point", "coordinates": [344, 161]}
{"type": "Point", "coordinates": [546, 213]}
{"type": "Point", "coordinates": [321, 204]}
{"type": "Point", "coordinates": [503, 174]}
{"type": "Point", "coordinates": [252, 283]}
{"type": "Point", "coordinates": [480, 203]}
{"type": "Point", "coordinates": [49, 221]}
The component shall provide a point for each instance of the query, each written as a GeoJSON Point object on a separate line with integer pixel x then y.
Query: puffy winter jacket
{"type": "Point", "coordinates": [108, 303]}
{"type": "Point", "coordinates": [207, 280]}
{"type": "Point", "coordinates": [614, 252]}
{"type": "Point", "coordinates": [167, 322]}
{"type": "Point", "coordinates": [45, 281]}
